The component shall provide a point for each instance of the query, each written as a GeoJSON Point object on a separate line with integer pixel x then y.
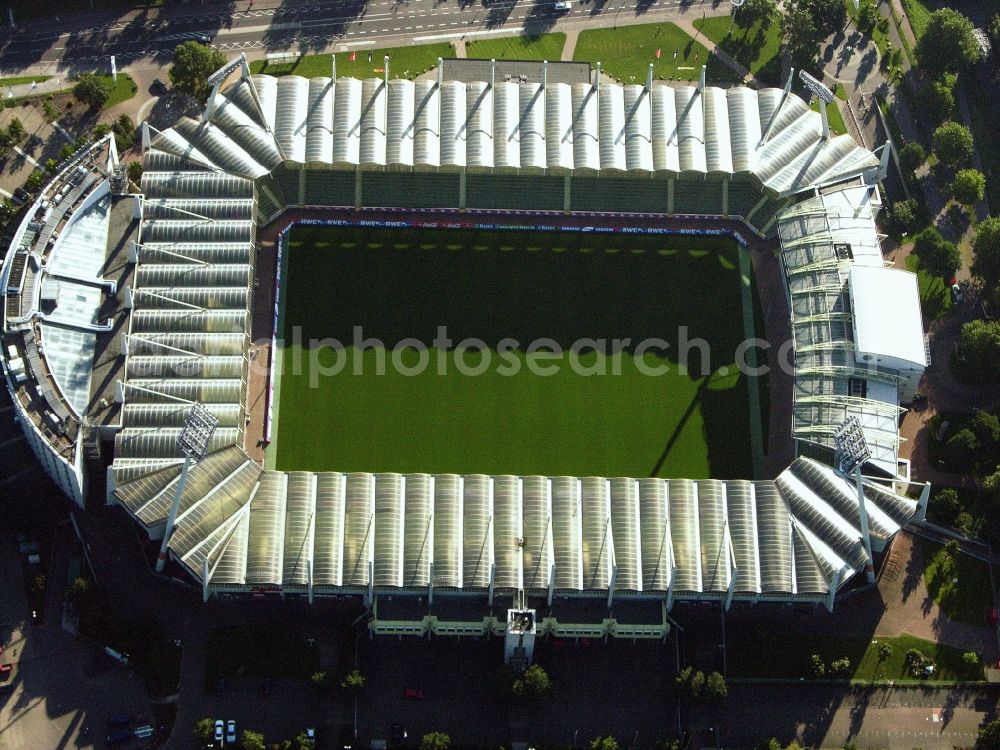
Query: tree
{"type": "Point", "coordinates": [135, 171]}
{"type": "Point", "coordinates": [204, 730]}
{"type": "Point", "coordinates": [78, 589]}
{"type": "Point", "coordinates": [92, 90]}
{"type": "Point", "coordinates": [947, 44]}
{"type": "Point", "coordinates": [911, 156]}
{"type": "Point", "coordinates": [34, 181]}
{"type": "Point", "coordinates": [816, 666]}
{"type": "Point", "coordinates": [830, 15]}
{"type": "Point", "coordinates": [754, 11]}
{"type": "Point", "coordinates": [994, 31]}
{"type": "Point", "coordinates": [771, 744]}
{"type": "Point", "coordinates": [937, 96]}
{"type": "Point", "coordinates": [124, 130]}
{"type": "Point", "coordinates": [904, 216]}
{"type": "Point", "coordinates": [353, 682]}
{"type": "Point", "coordinates": [945, 505]}
{"type": "Point", "coordinates": [534, 683]}
{"type": "Point", "coordinates": [936, 254]}
{"type": "Point", "coordinates": [691, 682]}
{"type": "Point", "coordinates": [952, 549]}
{"type": "Point", "coordinates": [953, 143]}
{"type": "Point", "coordinates": [7, 212]}
{"type": "Point", "coordinates": [302, 741]}
{"type": "Point", "coordinates": [16, 131]}
{"type": "Point", "coordinates": [66, 151]}
{"type": "Point", "coordinates": [320, 681]}
{"type": "Point", "coordinates": [986, 252]}
{"type": "Point", "coordinates": [604, 743]}
{"type": "Point", "coordinates": [435, 741]}
{"type": "Point", "coordinates": [885, 652]}
{"type": "Point", "coordinates": [252, 740]}
{"type": "Point", "coordinates": [715, 687]}
{"type": "Point", "coordinates": [193, 63]}
{"type": "Point", "coordinates": [978, 356]}
{"type": "Point", "coordinates": [801, 35]}
{"type": "Point", "coordinates": [960, 451]}
{"type": "Point", "coordinates": [970, 658]}
{"type": "Point", "coordinates": [986, 426]}
{"type": "Point", "coordinates": [868, 17]}
{"type": "Point", "coordinates": [989, 736]}
{"type": "Point", "coordinates": [969, 186]}
{"type": "Point", "coordinates": [51, 165]}
{"type": "Point", "coordinates": [840, 667]}
{"type": "Point", "coordinates": [50, 110]}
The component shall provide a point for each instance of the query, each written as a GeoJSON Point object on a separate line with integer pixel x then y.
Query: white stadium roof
{"type": "Point", "coordinates": [886, 304]}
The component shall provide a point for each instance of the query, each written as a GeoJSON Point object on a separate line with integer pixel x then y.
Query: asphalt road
{"type": "Point", "coordinates": [316, 26]}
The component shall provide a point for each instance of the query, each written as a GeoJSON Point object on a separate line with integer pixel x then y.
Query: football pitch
{"type": "Point", "coordinates": [553, 353]}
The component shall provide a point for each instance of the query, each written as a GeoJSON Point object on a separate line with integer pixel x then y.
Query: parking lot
{"type": "Point", "coordinates": [60, 686]}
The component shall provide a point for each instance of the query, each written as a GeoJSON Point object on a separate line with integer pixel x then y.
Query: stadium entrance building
{"type": "Point", "coordinates": [182, 335]}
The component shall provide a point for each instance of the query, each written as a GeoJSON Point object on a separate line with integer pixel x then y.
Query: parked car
{"type": "Point", "coordinates": [562, 6]}
{"type": "Point", "coordinates": [413, 694]}
{"type": "Point", "coordinates": [957, 295]}
{"type": "Point", "coordinates": [5, 670]}
{"type": "Point", "coordinates": [118, 736]}
{"type": "Point", "coordinates": [220, 730]}
{"type": "Point", "coordinates": [231, 732]}
{"type": "Point", "coordinates": [21, 196]}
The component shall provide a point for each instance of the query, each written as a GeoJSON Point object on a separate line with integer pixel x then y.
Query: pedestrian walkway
{"type": "Point", "coordinates": [910, 608]}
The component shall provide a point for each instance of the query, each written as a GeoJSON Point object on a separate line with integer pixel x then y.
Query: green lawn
{"type": "Point", "coordinates": [935, 297]}
{"type": "Point", "coordinates": [544, 47]}
{"type": "Point", "coordinates": [787, 655]}
{"type": "Point", "coordinates": [404, 62]}
{"type": "Point", "coordinates": [965, 600]}
{"type": "Point", "coordinates": [18, 80]}
{"type": "Point", "coordinates": [527, 287]}
{"type": "Point", "coordinates": [919, 13]}
{"type": "Point", "coordinates": [754, 47]}
{"type": "Point", "coordinates": [837, 126]}
{"type": "Point", "coordinates": [626, 53]}
{"type": "Point", "coordinates": [121, 91]}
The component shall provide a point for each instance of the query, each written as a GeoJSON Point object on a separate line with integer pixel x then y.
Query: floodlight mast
{"type": "Point", "coordinates": [194, 440]}
{"type": "Point", "coordinates": [825, 96]}
{"type": "Point", "coordinates": [852, 452]}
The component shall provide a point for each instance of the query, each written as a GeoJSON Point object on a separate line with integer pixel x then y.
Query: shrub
{"type": "Point", "coordinates": [841, 667]}
{"type": "Point", "coordinates": [816, 666]}
{"type": "Point", "coordinates": [960, 450]}
{"type": "Point", "coordinates": [92, 90]}
{"type": "Point", "coordinates": [936, 96]}
{"type": "Point", "coordinates": [904, 217]}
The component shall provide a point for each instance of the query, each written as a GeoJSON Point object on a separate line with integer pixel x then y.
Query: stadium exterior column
{"type": "Point", "coordinates": [755, 209]}
{"type": "Point", "coordinates": [552, 581]}
{"type": "Point", "coordinates": [204, 579]}
{"type": "Point", "coordinates": [725, 197]}
{"type": "Point", "coordinates": [670, 196]}
{"type": "Point", "coordinates": [832, 593]}
{"type": "Point", "coordinates": [302, 184]}
{"type": "Point", "coordinates": [925, 494]}
{"type": "Point", "coordinates": [567, 194]}
{"type": "Point", "coordinates": [357, 187]}
{"type": "Point", "coordinates": [461, 189]}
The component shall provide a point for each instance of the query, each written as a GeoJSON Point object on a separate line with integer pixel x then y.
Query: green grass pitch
{"type": "Point", "coordinates": [565, 287]}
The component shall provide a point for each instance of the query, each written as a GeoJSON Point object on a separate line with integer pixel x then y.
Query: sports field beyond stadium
{"type": "Point", "coordinates": [457, 408]}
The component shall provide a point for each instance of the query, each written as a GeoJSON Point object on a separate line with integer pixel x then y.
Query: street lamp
{"type": "Point", "coordinates": [195, 437]}
{"type": "Point", "coordinates": [852, 452]}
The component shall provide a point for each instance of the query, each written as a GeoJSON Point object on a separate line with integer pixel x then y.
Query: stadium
{"type": "Point", "coordinates": [539, 205]}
